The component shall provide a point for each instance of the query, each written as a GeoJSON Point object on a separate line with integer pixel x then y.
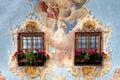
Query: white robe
{"type": "Point", "coordinates": [60, 33]}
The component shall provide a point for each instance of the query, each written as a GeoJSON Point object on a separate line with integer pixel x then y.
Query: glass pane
{"type": "Point", "coordinates": [79, 38]}
{"type": "Point", "coordinates": [79, 46]}
{"type": "Point", "coordinates": [82, 42]}
{"type": "Point", "coordinates": [24, 38]}
{"type": "Point", "coordinates": [92, 39]}
{"type": "Point", "coordinates": [83, 46]}
{"type": "Point", "coordinates": [35, 43]}
{"type": "Point", "coordinates": [39, 38]}
{"type": "Point", "coordinates": [96, 39]}
{"type": "Point", "coordinates": [29, 38]}
{"type": "Point", "coordinates": [93, 42]}
{"type": "Point", "coordinates": [34, 37]}
{"type": "Point", "coordinates": [39, 46]}
{"type": "Point", "coordinates": [96, 42]}
{"type": "Point", "coordinates": [28, 46]}
{"type": "Point", "coordinates": [24, 44]}
{"type": "Point", "coordinates": [92, 46]}
{"type": "Point", "coordinates": [83, 38]}
{"type": "Point", "coordinates": [28, 43]}
{"type": "Point", "coordinates": [39, 42]}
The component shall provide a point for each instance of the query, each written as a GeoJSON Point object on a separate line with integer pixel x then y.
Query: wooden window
{"type": "Point", "coordinates": [87, 41]}
{"type": "Point", "coordinates": [31, 41]}
{"type": "Point", "coordinates": [31, 49]}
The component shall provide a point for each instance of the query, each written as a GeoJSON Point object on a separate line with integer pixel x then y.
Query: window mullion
{"type": "Point", "coordinates": [77, 44]}
{"type": "Point", "coordinates": [42, 43]}
{"type": "Point", "coordinates": [21, 41]}
{"type": "Point", "coordinates": [88, 43]}
{"type": "Point", "coordinates": [99, 44]}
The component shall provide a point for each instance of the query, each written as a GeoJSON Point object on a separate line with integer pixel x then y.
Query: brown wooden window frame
{"type": "Point", "coordinates": [88, 34]}
{"type": "Point", "coordinates": [31, 43]}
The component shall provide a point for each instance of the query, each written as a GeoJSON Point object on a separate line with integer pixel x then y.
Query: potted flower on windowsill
{"type": "Point", "coordinates": [92, 57]}
{"type": "Point", "coordinates": [30, 58]}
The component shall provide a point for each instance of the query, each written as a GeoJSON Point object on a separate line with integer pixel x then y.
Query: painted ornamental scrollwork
{"type": "Point", "coordinates": [91, 72]}
{"type": "Point", "coordinates": [29, 25]}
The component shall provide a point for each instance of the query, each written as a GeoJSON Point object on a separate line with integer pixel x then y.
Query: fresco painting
{"type": "Point", "coordinates": [59, 40]}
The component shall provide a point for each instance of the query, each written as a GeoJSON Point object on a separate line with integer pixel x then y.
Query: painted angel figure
{"type": "Point", "coordinates": [60, 33]}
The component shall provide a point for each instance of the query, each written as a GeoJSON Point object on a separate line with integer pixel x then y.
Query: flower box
{"type": "Point", "coordinates": [82, 57]}
{"type": "Point", "coordinates": [28, 58]}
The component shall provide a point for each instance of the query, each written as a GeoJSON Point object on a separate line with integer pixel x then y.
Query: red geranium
{"type": "Point", "coordinates": [78, 52]}
{"type": "Point", "coordinates": [40, 51]}
{"type": "Point", "coordinates": [21, 52]}
{"type": "Point", "coordinates": [83, 51]}
{"type": "Point", "coordinates": [25, 50]}
{"type": "Point", "coordinates": [16, 53]}
{"type": "Point", "coordinates": [102, 53]}
{"type": "Point", "coordinates": [92, 52]}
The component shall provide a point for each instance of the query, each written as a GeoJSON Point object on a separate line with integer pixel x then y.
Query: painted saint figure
{"type": "Point", "coordinates": [60, 33]}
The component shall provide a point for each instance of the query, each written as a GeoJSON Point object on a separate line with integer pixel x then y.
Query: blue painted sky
{"type": "Point", "coordinates": [13, 12]}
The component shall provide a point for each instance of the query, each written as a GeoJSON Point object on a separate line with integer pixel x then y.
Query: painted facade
{"type": "Point", "coordinates": [15, 15]}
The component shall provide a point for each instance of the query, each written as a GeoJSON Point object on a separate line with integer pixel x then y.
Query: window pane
{"type": "Point", "coordinates": [34, 37]}
{"type": "Point", "coordinates": [93, 42]}
{"type": "Point", "coordinates": [83, 46]}
{"type": "Point", "coordinates": [39, 46]}
{"type": "Point", "coordinates": [82, 42]}
{"type": "Point", "coordinates": [39, 37]}
{"type": "Point", "coordinates": [24, 38]}
{"type": "Point", "coordinates": [29, 38]}
{"type": "Point", "coordinates": [29, 43]}
{"type": "Point", "coordinates": [92, 46]}
{"type": "Point", "coordinates": [96, 42]}
{"type": "Point", "coordinates": [24, 44]}
{"type": "Point", "coordinates": [83, 37]}
{"type": "Point", "coordinates": [37, 41]}
{"type": "Point", "coordinates": [92, 39]}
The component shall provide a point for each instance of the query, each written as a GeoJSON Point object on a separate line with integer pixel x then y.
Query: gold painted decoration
{"type": "Point", "coordinates": [105, 56]}
{"type": "Point", "coordinates": [87, 70]}
{"type": "Point", "coordinates": [30, 70]}
{"type": "Point", "coordinates": [31, 26]}
{"type": "Point", "coordinates": [89, 25]}
{"type": "Point", "coordinates": [13, 58]}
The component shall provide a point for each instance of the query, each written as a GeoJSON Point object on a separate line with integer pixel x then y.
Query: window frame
{"type": "Point", "coordinates": [31, 34]}
{"type": "Point", "coordinates": [100, 48]}
{"type": "Point", "coordinates": [88, 34]}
